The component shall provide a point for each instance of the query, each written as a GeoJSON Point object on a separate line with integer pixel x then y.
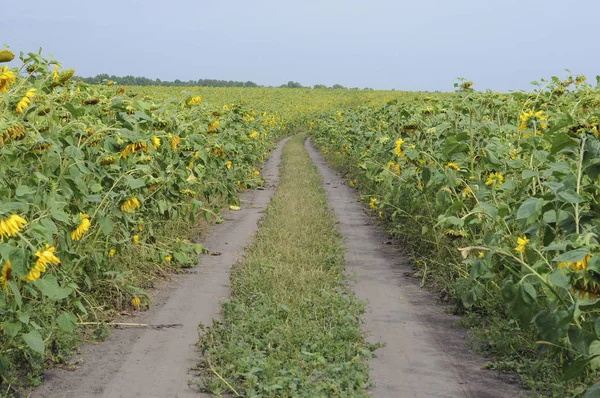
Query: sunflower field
{"type": "Point", "coordinates": [101, 184]}
{"type": "Point", "coordinates": [498, 195]}
{"type": "Point", "coordinates": [91, 175]}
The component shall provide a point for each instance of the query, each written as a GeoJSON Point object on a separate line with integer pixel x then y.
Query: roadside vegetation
{"type": "Point", "coordinates": [496, 197]}
{"type": "Point", "coordinates": [99, 194]}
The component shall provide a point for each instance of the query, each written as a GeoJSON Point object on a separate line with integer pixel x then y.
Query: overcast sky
{"type": "Point", "coordinates": [383, 44]}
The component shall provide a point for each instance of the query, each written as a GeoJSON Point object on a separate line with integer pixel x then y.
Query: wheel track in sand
{"type": "Point", "coordinates": [155, 362]}
{"type": "Point", "coordinates": [424, 355]}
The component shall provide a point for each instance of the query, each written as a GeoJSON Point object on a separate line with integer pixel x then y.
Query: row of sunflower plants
{"type": "Point", "coordinates": [499, 196]}
{"type": "Point", "coordinates": [89, 174]}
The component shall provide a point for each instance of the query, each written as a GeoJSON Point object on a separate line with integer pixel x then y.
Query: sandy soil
{"type": "Point", "coordinates": [156, 361]}
{"type": "Point", "coordinates": [425, 354]}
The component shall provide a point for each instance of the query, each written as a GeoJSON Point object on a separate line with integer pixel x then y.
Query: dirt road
{"type": "Point", "coordinates": [155, 362]}
{"type": "Point", "coordinates": [425, 355]}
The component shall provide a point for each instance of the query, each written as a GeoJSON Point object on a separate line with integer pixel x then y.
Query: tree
{"type": "Point", "coordinates": [292, 84]}
{"type": "Point", "coordinates": [130, 80]}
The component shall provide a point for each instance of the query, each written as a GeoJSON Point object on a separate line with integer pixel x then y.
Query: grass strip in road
{"type": "Point", "coordinates": [292, 325]}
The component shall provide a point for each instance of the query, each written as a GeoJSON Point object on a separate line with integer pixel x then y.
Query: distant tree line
{"type": "Point", "coordinates": [144, 81]}
{"type": "Point", "coordinates": [293, 84]}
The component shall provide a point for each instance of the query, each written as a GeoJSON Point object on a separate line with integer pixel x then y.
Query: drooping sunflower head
{"type": "Point", "coordinates": [130, 205]}
{"type": "Point", "coordinates": [7, 78]}
{"type": "Point", "coordinates": [194, 100]}
{"type": "Point", "coordinates": [66, 75]}
{"type": "Point", "coordinates": [6, 55]}
{"type": "Point", "coordinates": [11, 226]}
{"type": "Point", "coordinates": [6, 274]}
{"type": "Point", "coordinates": [82, 228]}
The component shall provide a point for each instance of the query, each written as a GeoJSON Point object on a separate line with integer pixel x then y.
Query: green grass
{"type": "Point", "coordinates": [292, 327]}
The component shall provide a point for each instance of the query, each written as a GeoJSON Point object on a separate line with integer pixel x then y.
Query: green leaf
{"type": "Point", "coordinates": [528, 293]}
{"type": "Point", "coordinates": [570, 197]}
{"type": "Point", "coordinates": [135, 183]}
{"type": "Point", "coordinates": [529, 207]}
{"type": "Point", "coordinates": [597, 327]}
{"type": "Point", "coordinates": [12, 328]}
{"type": "Point", "coordinates": [594, 349]}
{"type": "Point", "coordinates": [560, 141]}
{"type": "Point", "coordinates": [577, 367]}
{"type": "Point", "coordinates": [572, 256]}
{"type": "Point", "coordinates": [488, 208]}
{"type": "Point", "coordinates": [425, 175]}
{"type": "Point", "coordinates": [527, 174]}
{"type": "Point", "coordinates": [49, 287]}
{"type": "Point", "coordinates": [107, 225]}
{"type": "Point", "coordinates": [66, 321]}
{"type": "Point", "coordinates": [559, 279]}
{"type": "Point", "coordinates": [553, 325]}
{"type": "Point", "coordinates": [93, 198]}
{"type": "Point", "coordinates": [559, 246]}
{"type": "Point", "coordinates": [15, 291]}
{"type": "Point", "coordinates": [23, 317]}
{"type": "Point", "coordinates": [593, 391]}
{"type": "Point", "coordinates": [80, 307]}
{"type": "Point", "coordinates": [24, 190]}
{"type": "Point", "coordinates": [59, 215]}
{"type": "Point", "coordinates": [591, 306]}
{"type": "Point", "coordinates": [3, 364]}
{"type": "Point", "coordinates": [198, 248]}
{"type": "Point", "coordinates": [34, 340]}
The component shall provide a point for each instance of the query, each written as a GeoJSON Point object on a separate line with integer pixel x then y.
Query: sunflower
{"type": "Point", "coordinates": [83, 227]}
{"type": "Point", "coordinates": [373, 203]}
{"type": "Point", "coordinates": [195, 100]}
{"type": "Point", "coordinates": [12, 225]}
{"type": "Point", "coordinates": [44, 257]}
{"type": "Point", "coordinates": [130, 205]}
{"type": "Point", "coordinates": [156, 142]}
{"type": "Point", "coordinates": [132, 148]}
{"type": "Point", "coordinates": [6, 55]}
{"type": "Point", "coordinates": [55, 74]}
{"type": "Point", "coordinates": [6, 274]}
{"type": "Point", "coordinates": [521, 244]}
{"type": "Point", "coordinates": [495, 179]}
{"type": "Point", "coordinates": [25, 102]}
{"type": "Point", "coordinates": [7, 78]}
{"type": "Point", "coordinates": [175, 140]}
{"type": "Point", "coordinates": [213, 126]}
{"type": "Point", "coordinates": [398, 147]}
{"type": "Point", "coordinates": [577, 265]}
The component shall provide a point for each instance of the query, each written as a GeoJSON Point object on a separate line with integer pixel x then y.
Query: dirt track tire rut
{"type": "Point", "coordinates": [424, 355]}
{"type": "Point", "coordinates": [155, 362]}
